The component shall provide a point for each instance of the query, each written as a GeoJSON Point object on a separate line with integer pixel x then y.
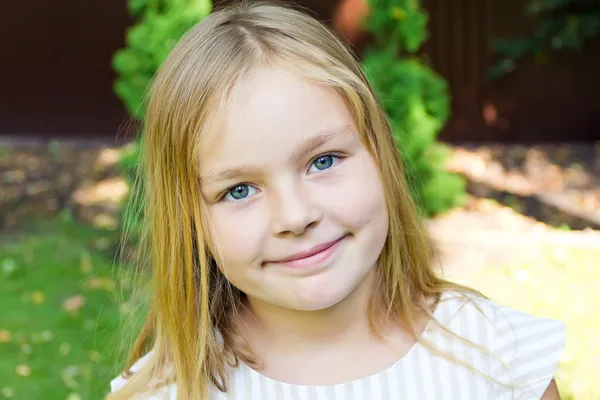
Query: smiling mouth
{"type": "Point", "coordinates": [311, 257]}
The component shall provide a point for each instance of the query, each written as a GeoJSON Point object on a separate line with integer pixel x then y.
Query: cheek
{"type": "Point", "coordinates": [359, 199]}
{"type": "Point", "coordinates": [238, 235]}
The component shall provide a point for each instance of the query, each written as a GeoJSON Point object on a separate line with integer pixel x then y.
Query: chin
{"type": "Point", "coordinates": [321, 297]}
{"type": "Point", "coordinates": [319, 305]}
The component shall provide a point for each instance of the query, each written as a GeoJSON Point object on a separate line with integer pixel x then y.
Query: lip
{"type": "Point", "coordinates": [314, 255]}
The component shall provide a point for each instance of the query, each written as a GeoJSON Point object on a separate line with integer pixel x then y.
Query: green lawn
{"type": "Point", "coordinates": [561, 283]}
{"type": "Point", "coordinates": [59, 314]}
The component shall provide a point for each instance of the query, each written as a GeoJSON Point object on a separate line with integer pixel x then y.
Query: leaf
{"type": "Point", "coordinates": [85, 263]}
{"type": "Point", "coordinates": [23, 370]}
{"type": "Point", "coordinates": [69, 374]}
{"type": "Point", "coordinates": [5, 336]}
{"type": "Point", "coordinates": [398, 13]}
{"type": "Point", "coordinates": [38, 297]}
{"type": "Point", "coordinates": [73, 303]}
{"type": "Point", "coordinates": [101, 283]}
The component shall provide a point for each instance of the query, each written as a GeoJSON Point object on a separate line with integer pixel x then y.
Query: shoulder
{"type": "Point", "coordinates": [119, 382]}
{"type": "Point", "coordinates": [507, 324]}
{"type": "Point", "coordinates": [527, 348]}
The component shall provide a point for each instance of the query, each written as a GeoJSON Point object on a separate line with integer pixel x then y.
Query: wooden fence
{"type": "Point", "coordinates": [57, 78]}
{"type": "Point", "coordinates": [55, 67]}
{"type": "Point", "coordinates": [555, 100]}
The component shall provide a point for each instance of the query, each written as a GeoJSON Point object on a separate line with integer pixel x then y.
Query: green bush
{"type": "Point", "coordinates": [415, 98]}
{"type": "Point", "coordinates": [160, 24]}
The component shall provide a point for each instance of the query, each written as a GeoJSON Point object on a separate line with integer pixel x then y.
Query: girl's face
{"type": "Point", "coordinates": [296, 204]}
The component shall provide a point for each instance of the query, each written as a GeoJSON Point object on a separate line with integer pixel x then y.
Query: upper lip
{"type": "Point", "coordinates": [310, 252]}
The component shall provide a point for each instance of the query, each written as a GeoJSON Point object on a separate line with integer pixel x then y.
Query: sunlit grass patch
{"type": "Point", "coordinates": [563, 283]}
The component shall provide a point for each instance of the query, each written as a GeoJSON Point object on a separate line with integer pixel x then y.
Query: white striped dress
{"type": "Point", "coordinates": [526, 351]}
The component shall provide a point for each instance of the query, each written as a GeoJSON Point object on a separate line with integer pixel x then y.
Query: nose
{"type": "Point", "coordinates": [293, 210]}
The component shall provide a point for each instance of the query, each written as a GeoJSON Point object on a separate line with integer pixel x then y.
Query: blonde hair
{"type": "Point", "coordinates": [191, 299]}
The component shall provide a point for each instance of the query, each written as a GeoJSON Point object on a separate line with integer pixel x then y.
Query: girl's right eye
{"type": "Point", "coordinates": [239, 193]}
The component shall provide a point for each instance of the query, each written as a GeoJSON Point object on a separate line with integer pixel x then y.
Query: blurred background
{"type": "Point", "coordinates": [494, 103]}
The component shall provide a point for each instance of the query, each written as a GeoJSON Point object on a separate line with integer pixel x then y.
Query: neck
{"type": "Point", "coordinates": [290, 331]}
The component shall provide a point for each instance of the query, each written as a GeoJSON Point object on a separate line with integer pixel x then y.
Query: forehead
{"type": "Point", "coordinates": [268, 112]}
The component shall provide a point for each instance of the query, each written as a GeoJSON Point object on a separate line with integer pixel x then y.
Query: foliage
{"type": "Point", "coordinates": [560, 25]}
{"type": "Point", "coordinates": [415, 98]}
{"type": "Point", "coordinates": [60, 312]}
{"type": "Point", "coordinates": [161, 23]}
{"type": "Point", "coordinates": [558, 282]}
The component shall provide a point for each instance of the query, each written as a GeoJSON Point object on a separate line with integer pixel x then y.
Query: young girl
{"type": "Point", "coordinates": [288, 259]}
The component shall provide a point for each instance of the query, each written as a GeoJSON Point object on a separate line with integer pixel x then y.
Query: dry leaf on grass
{"type": "Point", "coordinates": [69, 374]}
{"type": "Point", "coordinates": [5, 336]}
{"type": "Point", "coordinates": [38, 297]}
{"type": "Point", "coordinates": [85, 263]}
{"type": "Point", "coordinates": [100, 283]}
{"type": "Point", "coordinates": [73, 303]}
{"type": "Point", "coordinates": [23, 370]}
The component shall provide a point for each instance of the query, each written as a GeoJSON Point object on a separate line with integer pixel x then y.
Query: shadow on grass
{"type": "Point", "coordinates": [533, 206]}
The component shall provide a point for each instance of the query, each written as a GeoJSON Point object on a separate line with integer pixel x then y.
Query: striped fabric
{"type": "Point", "coordinates": [520, 354]}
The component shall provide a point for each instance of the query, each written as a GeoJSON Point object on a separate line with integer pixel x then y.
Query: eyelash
{"type": "Point", "coordinates": [221, 196]}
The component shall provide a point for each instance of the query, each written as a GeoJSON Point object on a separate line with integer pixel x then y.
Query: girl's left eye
{"type": "Point", "coordinates": [323, 163]}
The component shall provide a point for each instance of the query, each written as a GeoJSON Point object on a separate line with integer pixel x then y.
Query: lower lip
{"type": "Point", "coordinates": [315, 259]}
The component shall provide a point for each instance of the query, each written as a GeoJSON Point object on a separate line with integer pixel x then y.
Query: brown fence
{"type": "Point", "coordinates": [57, 78]}
{"type": "Point", "coordinates": [554, 100]}
{"type": "Point", "coordinates": [55, 67]}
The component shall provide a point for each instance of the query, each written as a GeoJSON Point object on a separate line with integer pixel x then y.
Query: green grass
{"type": "Point", "coordinates": [560, 283]}
{"type": "Point", "coordinates": [59, 318]}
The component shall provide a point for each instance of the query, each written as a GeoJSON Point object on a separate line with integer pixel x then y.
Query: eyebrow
{"type": "Point", "coordinates": [309, 145]}
{"type": "Point", "coordinates": [225, 175]}
{"type": "Point", "coordinates": [306, 146]}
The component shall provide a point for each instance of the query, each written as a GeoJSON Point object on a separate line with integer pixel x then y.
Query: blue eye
{"type": "Point", "coordinates": [323, 162]}
{"type": "Point", "coordinates": [238, 192]}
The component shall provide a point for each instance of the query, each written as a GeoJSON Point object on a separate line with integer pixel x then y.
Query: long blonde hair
{"type": "Point", "coordinates": [190, 299]}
